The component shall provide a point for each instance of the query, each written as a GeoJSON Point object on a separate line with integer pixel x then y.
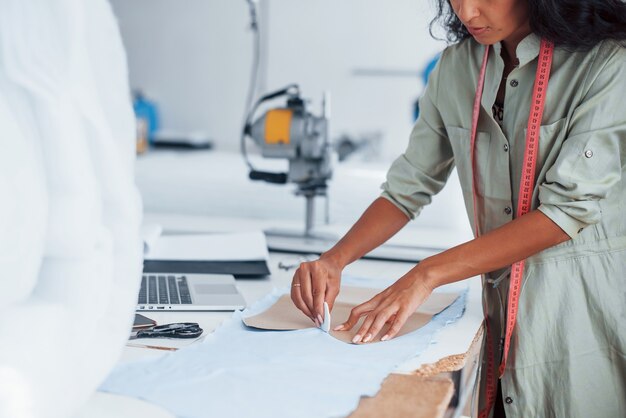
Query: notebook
{"type": "Point", "coordinates": [242, 254]}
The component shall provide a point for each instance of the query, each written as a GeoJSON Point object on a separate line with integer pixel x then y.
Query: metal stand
{"type": "Point", "coordinates": [307, 241]}
{"type": "Point", "coordinates": [309, 214]}
{"type": "Point", "coordinates": [310, 193]}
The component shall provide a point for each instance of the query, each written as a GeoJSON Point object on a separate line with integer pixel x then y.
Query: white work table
{"type": "Point", "coordinates": [454, 339]}
{"type": "Point", "coordinates": [186, 192]}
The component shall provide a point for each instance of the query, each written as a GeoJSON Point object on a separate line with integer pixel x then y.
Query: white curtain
{"type": "Point", "coordinates": [70, 252]}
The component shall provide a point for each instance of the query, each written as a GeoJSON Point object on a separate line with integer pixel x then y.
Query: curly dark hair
{"type": "Point", "coordinates": [574, 24]}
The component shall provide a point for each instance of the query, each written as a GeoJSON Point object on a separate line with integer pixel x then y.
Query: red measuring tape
{"type": "Point", "coordinates": [527, 184]}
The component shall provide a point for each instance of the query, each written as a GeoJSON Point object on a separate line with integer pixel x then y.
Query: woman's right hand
{"type": "Point", "coordinates": [314, 283]}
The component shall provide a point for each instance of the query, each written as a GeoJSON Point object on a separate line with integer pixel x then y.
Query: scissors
{"type": "Point", "coordinates": [175, 330]}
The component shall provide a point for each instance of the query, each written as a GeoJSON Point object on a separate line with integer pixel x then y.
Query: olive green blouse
{"type": "Point", "coordinates": [568, 356]}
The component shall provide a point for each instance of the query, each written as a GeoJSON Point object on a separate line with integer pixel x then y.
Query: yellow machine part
{"type": "Point", "coordinates": [277, 126]}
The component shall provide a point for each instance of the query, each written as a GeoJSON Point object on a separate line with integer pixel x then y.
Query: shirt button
{"type": "Point", "coordinates": [508, 400]}
{"type": "Point", "coordinates": [514, 83]}
{"type": "Point", "coordinates": [508, 210]}
{"type": "Point", "coordinates": [506, 147]}
{"type": "Point", "coordinates": [588, 153]}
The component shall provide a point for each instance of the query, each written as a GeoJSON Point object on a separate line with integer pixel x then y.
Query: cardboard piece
{"type": "Point", "coordinates": [284, 316]}
{"type": "Point", "coordinates": [453, 362]}
{"type": "Point", "coordinates": [404, 396]}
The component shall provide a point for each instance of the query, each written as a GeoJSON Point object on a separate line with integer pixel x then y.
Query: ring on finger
{"type": "Point", "coordinates": [296, 285]}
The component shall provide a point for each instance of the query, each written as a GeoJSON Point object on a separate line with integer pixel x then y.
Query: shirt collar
{"type": "Point", "coordinates": [527, 49]}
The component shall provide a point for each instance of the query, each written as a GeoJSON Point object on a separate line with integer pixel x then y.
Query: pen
{"type": "Point", "coordinates": [154, 347]}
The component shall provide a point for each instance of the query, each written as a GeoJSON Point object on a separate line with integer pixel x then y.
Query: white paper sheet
{"type": "Point", "coordinates": [241, 246]}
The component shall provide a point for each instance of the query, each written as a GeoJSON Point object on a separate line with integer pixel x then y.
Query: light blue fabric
{"type": "Point", "coordinates": [243, 372]}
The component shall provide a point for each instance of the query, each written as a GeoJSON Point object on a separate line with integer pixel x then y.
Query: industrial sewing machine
{"type": "Point", "coordinates": [295, 134]}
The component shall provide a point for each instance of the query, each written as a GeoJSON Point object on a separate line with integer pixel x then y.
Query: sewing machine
{"type": "Point", "coordinates": [293, 133]}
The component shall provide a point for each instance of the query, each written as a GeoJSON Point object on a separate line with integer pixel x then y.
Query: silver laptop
{"type": "Point", "coordinates": [188, 292]}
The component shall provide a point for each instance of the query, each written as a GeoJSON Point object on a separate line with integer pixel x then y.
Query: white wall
{"type": "Point", "coordinates": [193, 57]}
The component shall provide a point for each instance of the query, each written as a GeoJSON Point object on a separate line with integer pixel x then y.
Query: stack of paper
{"type": "Point", "coordinates": [242, 254]}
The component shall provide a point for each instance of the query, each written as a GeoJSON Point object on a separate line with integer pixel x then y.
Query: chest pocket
{"type": "Point", "coordinates": [550, 140]}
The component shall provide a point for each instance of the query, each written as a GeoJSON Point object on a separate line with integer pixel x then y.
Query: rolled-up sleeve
{"type": "Point", "coordinates": [423, 169]}
{"type": "Point", "coordinates": [590, 162]}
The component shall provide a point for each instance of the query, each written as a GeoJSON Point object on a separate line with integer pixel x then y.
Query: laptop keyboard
{"type": "Point", "coordinates": [164, 290]}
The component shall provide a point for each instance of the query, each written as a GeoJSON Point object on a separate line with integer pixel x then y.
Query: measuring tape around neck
{"type": "Point", "coordinates": [527, 183]}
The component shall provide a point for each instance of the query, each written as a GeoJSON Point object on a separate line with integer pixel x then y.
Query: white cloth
{"type": "Point", "coordinates": [244, 372]}
{"type": "Point", "coordinates": [70, 252]}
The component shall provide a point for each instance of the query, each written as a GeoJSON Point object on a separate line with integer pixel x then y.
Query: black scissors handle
{"type": "Point", "coordinates": [176, 330]}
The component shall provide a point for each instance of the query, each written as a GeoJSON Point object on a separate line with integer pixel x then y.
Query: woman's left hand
{"type": "Point", "coordinates": [392, 306]}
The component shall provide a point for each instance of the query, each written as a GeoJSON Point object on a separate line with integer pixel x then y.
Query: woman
{"type": "Point", "coordinates": [565, 352]}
